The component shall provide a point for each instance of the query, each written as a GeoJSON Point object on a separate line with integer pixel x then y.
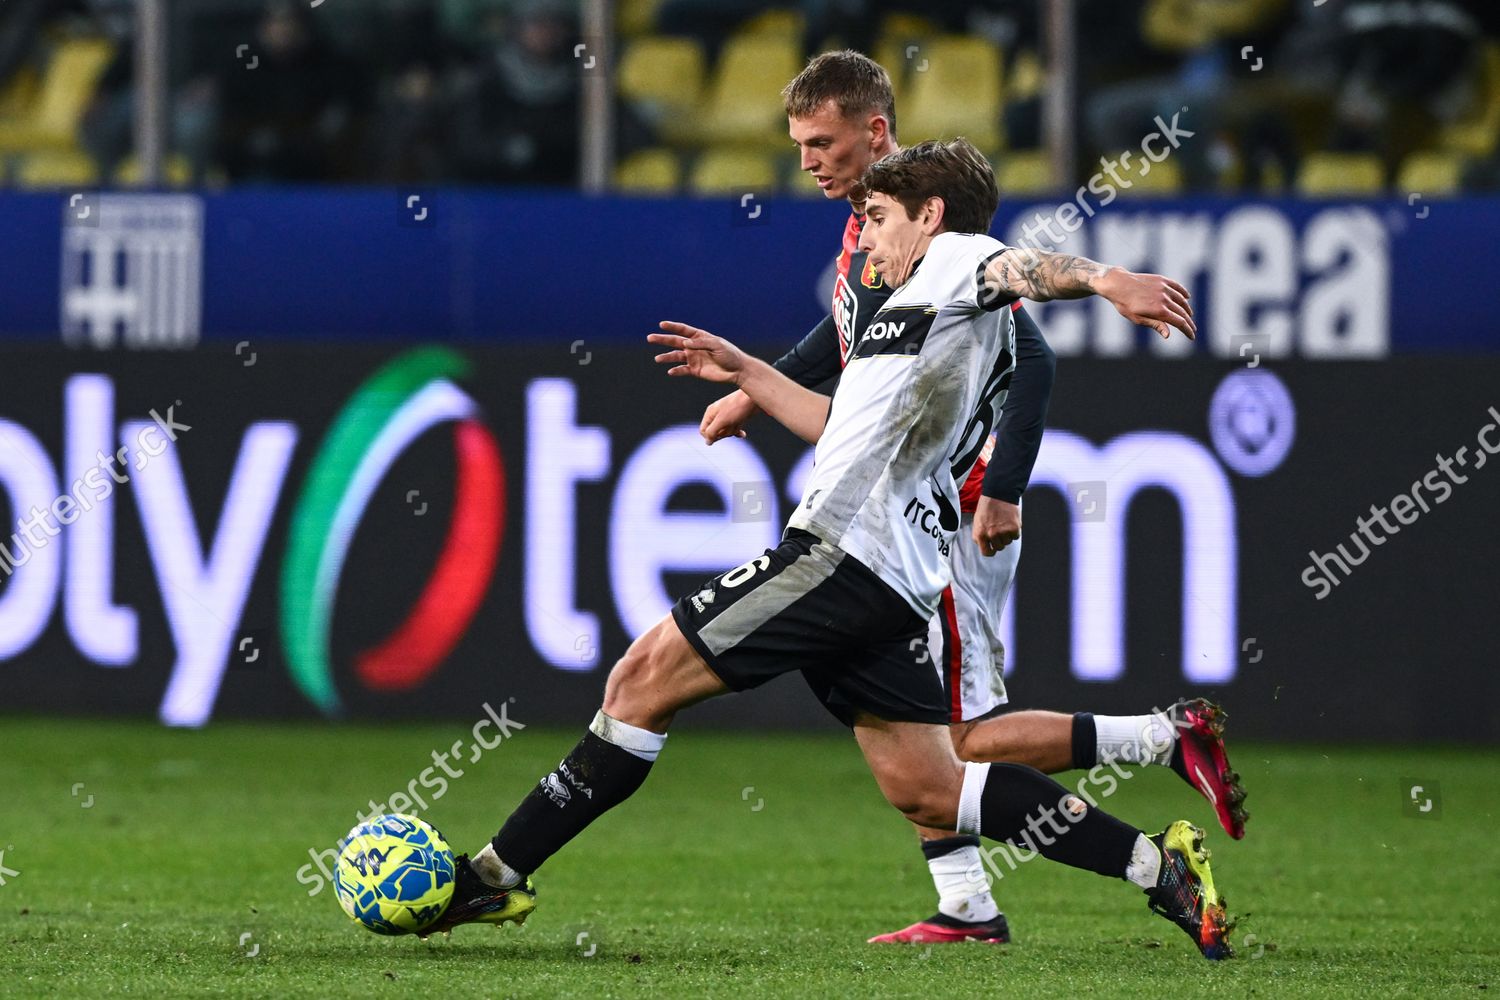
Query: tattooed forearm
{"type": "Point", "coordinates": [1041, 275]}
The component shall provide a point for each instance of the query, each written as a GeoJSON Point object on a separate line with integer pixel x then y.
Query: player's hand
{"type": "Point", "coordinates": [1149, 300]}
{"type": "Point", "coordinates": [727, 417]}
{"type": "Point", "coordinates": [698, 353]}
{"type": "Point", "coordinates": [997, 523]}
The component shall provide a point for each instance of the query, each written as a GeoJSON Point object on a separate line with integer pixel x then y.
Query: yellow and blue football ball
{"type": "Point", "coordinates": [394, 875]}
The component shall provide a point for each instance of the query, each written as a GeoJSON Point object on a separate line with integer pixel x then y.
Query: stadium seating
{"type": "Point", "coordinates": [176, 171]}
{"type": "Point", "coordinates": [51, 122]}
{"type": "Point", "coordinates": [1478, 133]}
{"type": "Point", "coordinates": [733, 171]}
{"type": "Point", "coordinates": [954, 89]}
{"type": "Point", "coordinates": [778, 22]}
{"type": "Point", "coordinates": [636, 17]}
{"type": "Point", "coordinates": [890, 53]}
{"type": "Point", "coordinates": [1163, 179]}
{"type": "Point", "coordinates": [744, 104]}
{"type": "Point", "coordinates": [663, 78]}
{"type": "Point", "coordinates": [650, 171]}
{"type": "Point", "coordinates": [1327, 175]}
{"type": "Point", "coordinates": [1028, 76]}
{"type": "Point", "coordinates": [1435, 174]}
{"type": "Point", "coordinates": [900, 46]}
{"type": "Point", "coordinates": [17, 93]}
{"type": "Point", "coordinates": [908, 26]}
{"type": "Point", "coordinates": [57, 169]}
{"type": "Point", "coordinates": [1025, 173]}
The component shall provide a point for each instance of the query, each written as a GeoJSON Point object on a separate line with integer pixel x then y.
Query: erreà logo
{"type": "Point", "coordinates": [409, 395]}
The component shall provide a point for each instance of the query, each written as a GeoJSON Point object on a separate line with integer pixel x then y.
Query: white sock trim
{"type": "Point", "coordinates": [975, 776]}
{"type": "Point", "coordinates": [958, 895]}
{"type": "Point", "coordinates": [494, 871]}
{"type": "Point", "coordinates": [1134, 739]}
{"type": "Point", "coordinates": [632, 739]}
{"type": "Point", "coordinates": [1144, 868]}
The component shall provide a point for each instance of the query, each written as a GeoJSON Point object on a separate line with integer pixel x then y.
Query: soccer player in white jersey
{"type": "Point", "coordinates": [841, 114]}
{"type": "Point", "coordinates": [846, 596]}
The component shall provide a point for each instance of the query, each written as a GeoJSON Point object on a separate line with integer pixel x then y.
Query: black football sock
{"type": "Point", "coordinates": [933, 849]}
{"type": "Point", "coordinates": [1085, 741]}
{"type": "Point", "coordinates": [1023, 807]}
{"type": "Point", "coordinates": [603, 770]}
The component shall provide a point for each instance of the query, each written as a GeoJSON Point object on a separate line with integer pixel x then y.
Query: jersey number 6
{"type": "Point", "coordinates": [740, 574]}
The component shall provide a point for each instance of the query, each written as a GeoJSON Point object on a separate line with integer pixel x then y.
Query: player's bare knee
{"type": "Point", "coordinates": [925, 807]}
{"type": "Point", "coordinates": [935, 812]}
{"type": "Point", "coordinates": [632, 693]}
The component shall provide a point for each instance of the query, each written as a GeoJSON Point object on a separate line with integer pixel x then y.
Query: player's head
{"type": "Point", "coordinates": [841, 113]}
{"type": "Point", "coordinates": [911, 196]}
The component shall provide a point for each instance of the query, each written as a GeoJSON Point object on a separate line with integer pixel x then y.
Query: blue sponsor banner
{"type": "Point", "coordinates": [1317, 280]}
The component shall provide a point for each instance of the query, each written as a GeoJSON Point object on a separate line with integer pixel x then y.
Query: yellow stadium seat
{"type": "Point", "coordinates": [179, 173]}
{"type": "Point", "coordinates": [733, 171]}
{"type": "Point", "coordinates": [1163, 179]}
{"type": "Point", "coordinates": [1330, 175]}
{"type": "Point", "coordinates": [781, 22]}
{"type": "Point", "coordinates": [636, 17]}
{"type": "Point", "coordinates": [53, 169]}
{"type": "Point", "coordinates": [1028, 77]}
{"type": "Point", "coordinates": [663, 78]}
{"type": "Point", "coordinates": [67, 87]}
{"type": "Point", "coordinates": [744, 105]}
{"type": "Point", "coordinates": [1435, 174]}
{"type": "Point", "coordinates": [1025, 173]}
{"type": "Point", "coordinates": [903, 25]}
{"type": "Point", "coordinates": [890, 52]}
{"type": "Point", "coordinates": [1479, 131]}
{"type": "Point", "coordinates": [17, 93]}
{"type": "Point", "coordinates": [650, 171]}
{"type": "Point", "coordinates": [954, 89]}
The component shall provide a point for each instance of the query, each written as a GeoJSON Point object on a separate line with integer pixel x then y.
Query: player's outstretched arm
{"type": "Point", "coordinates": [701, 354]}
{"type": "Point", "coordinates": [812, 362]}
{"type": "Point", "coordinates": [1145, 299]}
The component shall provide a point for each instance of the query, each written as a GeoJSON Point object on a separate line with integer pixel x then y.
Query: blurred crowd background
{"type": "Point", "coordinates": [1338, 98]}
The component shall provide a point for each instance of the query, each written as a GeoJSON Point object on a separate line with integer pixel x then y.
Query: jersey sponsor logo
{"type": "Point", "coordinates": [939, 520]}
{"type": "Point", "coordinates": [902, 330]}
{"type": "Point", "coordinates": [884, 331]}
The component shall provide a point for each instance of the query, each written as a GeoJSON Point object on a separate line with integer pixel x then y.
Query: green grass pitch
{"type": "Point", "coordinates": [148, 862]}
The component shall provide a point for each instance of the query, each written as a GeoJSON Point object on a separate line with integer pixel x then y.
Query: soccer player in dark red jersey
{"type": "Point", "coordinates": [841, 115]}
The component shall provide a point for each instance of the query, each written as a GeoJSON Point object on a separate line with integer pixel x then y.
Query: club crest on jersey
{"type": "Point", "coordinates": [868, 277]}
{"type": "Point", "coordinates": [845, 314]}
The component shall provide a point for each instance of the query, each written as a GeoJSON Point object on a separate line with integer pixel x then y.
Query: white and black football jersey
{"type": "Point", "coordinates": [910, 416]}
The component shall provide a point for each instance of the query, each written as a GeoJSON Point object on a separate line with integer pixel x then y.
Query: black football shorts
{"type": "Point", "coordinates": [807, 605]}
